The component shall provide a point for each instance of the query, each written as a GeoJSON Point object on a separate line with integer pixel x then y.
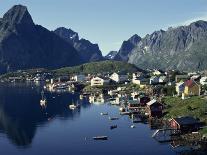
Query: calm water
{"type": "Point", "coordinates": [26, 128]}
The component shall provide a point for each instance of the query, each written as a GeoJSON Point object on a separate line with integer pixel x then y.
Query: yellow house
{"type": "Point", "coordinates": [192, 88]}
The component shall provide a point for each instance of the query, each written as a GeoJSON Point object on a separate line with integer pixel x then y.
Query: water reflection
{"type": "Point", "coordinates": [21, 113]}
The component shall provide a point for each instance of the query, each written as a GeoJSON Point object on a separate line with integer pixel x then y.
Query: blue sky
{"type": "Point", "coordinates": [109, 22]}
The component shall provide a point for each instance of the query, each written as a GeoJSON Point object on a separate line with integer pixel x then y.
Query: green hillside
{"type": "Point", "coordinates": [99, 67]}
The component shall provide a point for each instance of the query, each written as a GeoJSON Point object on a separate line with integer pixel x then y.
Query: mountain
{"type": "Point", "coordinates": [127, 47]}
{"type": "Point", "coordinates": [24, 45]}
{"type": "Point", "coordinates": [183, 48]}
{"type": "Point", "coordinates": [87, 50]}
{"type": "Point", "coordinates": [111, 55]}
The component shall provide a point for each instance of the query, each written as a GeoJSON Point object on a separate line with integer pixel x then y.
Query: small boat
{"type": "Point", "coordinates": [125, 113]}
{"type": "Point", "coordinates": [81, 97]}
{"type": "Point", "coordinates": [102, 113]}
{"type": "Point", "coordinates": [113, 127]}
{"type": "Point", "coordinates": [100, 138]}
{"type": "Point", "coordinates": [73, 106]}
{"type": "Point", "coordinates": [122, 109]}
{"type": "Point", "coordinates": [132, 126]}
{"type": "Point", "coordinates": [113, 118]}
{"type": "Point", "coordinates": [43, 101]}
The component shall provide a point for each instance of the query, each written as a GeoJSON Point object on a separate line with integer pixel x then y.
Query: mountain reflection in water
{"type": "Point", "coordinates": [21, 113]}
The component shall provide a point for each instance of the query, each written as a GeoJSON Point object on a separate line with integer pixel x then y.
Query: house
{"type": "Point", "coordinates": [154, 108]}
{"type": "Point", "coordinates": [144, 100]}
{"type": "Point", "coordinates": [154, 80]}
{"type": "Point", "coordinates": [157, 72]}
{"type": "Point", "coordinates": [179, 88]}
{"type": "Point", "coordinates": [162, 79]}
{"type": "Point", "coordinates": [99, 81]}
{"type": "Point", "coordinates": [118, 77]}
{"type": "Point", "coordinates": [192, 88]}
{"type": "Point", "coordinates": [179, 78]}
{"type": "Point", "coordinates": [203, 80]}
{"type": "Point", "coordinates": [79, 78]}
{"type": "Point", "coordinates": [133, 104]}
{"type": "Point", "coordinates": [185, 124]}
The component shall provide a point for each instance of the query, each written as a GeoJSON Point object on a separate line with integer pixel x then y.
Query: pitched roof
{"type": "Point", "coordinates": [151, 102]}
{"type": "Point", "coordinates": [190, 83]}
{"type": "Point", "coordinates": [187, 120]}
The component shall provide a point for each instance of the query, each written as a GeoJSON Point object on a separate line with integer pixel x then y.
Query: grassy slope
{"type": "Point", "coordinates": [194, 106]}
{"type": "Point", "coordinates": [98, 67]}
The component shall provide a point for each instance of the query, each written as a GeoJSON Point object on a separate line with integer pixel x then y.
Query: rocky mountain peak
{"type": "Point", "coordinates": [18, 14]}
{"type": "Point", "coordinates": [135, 39]}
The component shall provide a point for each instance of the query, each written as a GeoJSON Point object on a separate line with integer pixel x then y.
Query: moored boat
{"type": "Point", "coordinates": [100, 138]}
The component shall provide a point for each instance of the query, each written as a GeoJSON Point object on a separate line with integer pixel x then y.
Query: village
{"type": "Point", "coordinates": [173, 103]}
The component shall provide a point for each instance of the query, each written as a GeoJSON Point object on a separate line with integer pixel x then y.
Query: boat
{"type": "Point", "coordinates": [74, 106]}
{"type": "Point", "coordinates": [113, 118]}
{"type": "Point", "coordinates": [132, 126]}
{"type": "Point", "coordinates": [122, 109]}
{"type": "Point", "coordinates": [102, 113]}
{"type": "Point", "coordinates": [43, 101]}
{"type": "Point", "coordinates": [113, 127]}
{"type": "Point", "coordinates": [125, 113]}
{"type": "Point", "coordinates": [100, 138]}
{"type": "Point", "coordinates": [81, 97]}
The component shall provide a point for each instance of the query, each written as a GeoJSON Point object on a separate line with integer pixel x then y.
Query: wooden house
{"type": "Point", "coordinates": [144, 100]}
{"type": "Point", "coordinates": [154, 108]}
{"type": "Point", "coordinates": [185, 124]}
{"type": "Point", "coordinates": [192, 88]}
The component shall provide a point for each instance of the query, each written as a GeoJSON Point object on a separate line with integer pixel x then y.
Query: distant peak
{"type": "Point", "coordinates": [18, 14]}
{"type": "Point", "coordinates": [135, 39]}
{"type": "Point", "coordinates": [199, 23]}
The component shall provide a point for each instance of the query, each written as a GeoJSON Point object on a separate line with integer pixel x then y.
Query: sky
{"type": "Point", "coordinates": [110, 22]}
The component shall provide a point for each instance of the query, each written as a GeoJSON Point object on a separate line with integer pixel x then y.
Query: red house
{"type": "Point", "coordinates": [144, 100]}
{"type": "Point", "coordinates": [154, 108]}
{"type": "Point", "coordinates": [185, 124]}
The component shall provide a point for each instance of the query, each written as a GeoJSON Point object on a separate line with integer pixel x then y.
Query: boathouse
{"type": "Point", "coordinates": [133, 105]}
{"type": "Point", "coordinates": [144, 100]}
{"type": "Point", "coordinates": [154, 108]}
{"type": "Point", "coordinates": [185, 124]}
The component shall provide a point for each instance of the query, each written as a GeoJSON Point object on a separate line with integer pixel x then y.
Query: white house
{"type": "Point", "coordinates": [156, 72]}
{"type": "Point", "coordinates": [98, 81]}
{"type": "Point", "coordinates": [203, 80]}
{"type": "Point", "coordinates": [118, 77]}
{"type": "Point", "coordinates": [154, 80]}
{"type": "Point", "coordinates": [79, 78]}
{"type": "Point", "coordinates": [162, 79]}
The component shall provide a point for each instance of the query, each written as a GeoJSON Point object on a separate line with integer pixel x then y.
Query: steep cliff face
{"type": "Point", "coordinates": [88, 51]}
{"type": "Point", "coordinates": [25, 45]}
{"type": "Point", "coordinates": [183, 48]}
{"type": "Point", "coordinates": [127, 47]}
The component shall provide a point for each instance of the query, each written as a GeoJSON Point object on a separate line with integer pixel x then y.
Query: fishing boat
{"type": "Point", "coordinates": [100, 138]}
{"type": "Point", "coordinates": [43, 101]}
{"type": "Point", "coordinates": [113, 127]}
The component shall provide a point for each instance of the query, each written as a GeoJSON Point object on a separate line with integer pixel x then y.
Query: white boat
{"type": "Point", "coordinates": [43, 101]}
{"type": "Point", "coordinates": [132, 126]}
{"type": "Point", "coordinates": [104, 113]}
{"type": "Point", "coordinates": [81, 97]}
{"type": "Point", "coordinates": [73, 106]}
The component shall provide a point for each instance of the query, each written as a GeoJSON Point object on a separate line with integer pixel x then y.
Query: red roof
{"type": "Point", "coordinates": [190, 83]}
